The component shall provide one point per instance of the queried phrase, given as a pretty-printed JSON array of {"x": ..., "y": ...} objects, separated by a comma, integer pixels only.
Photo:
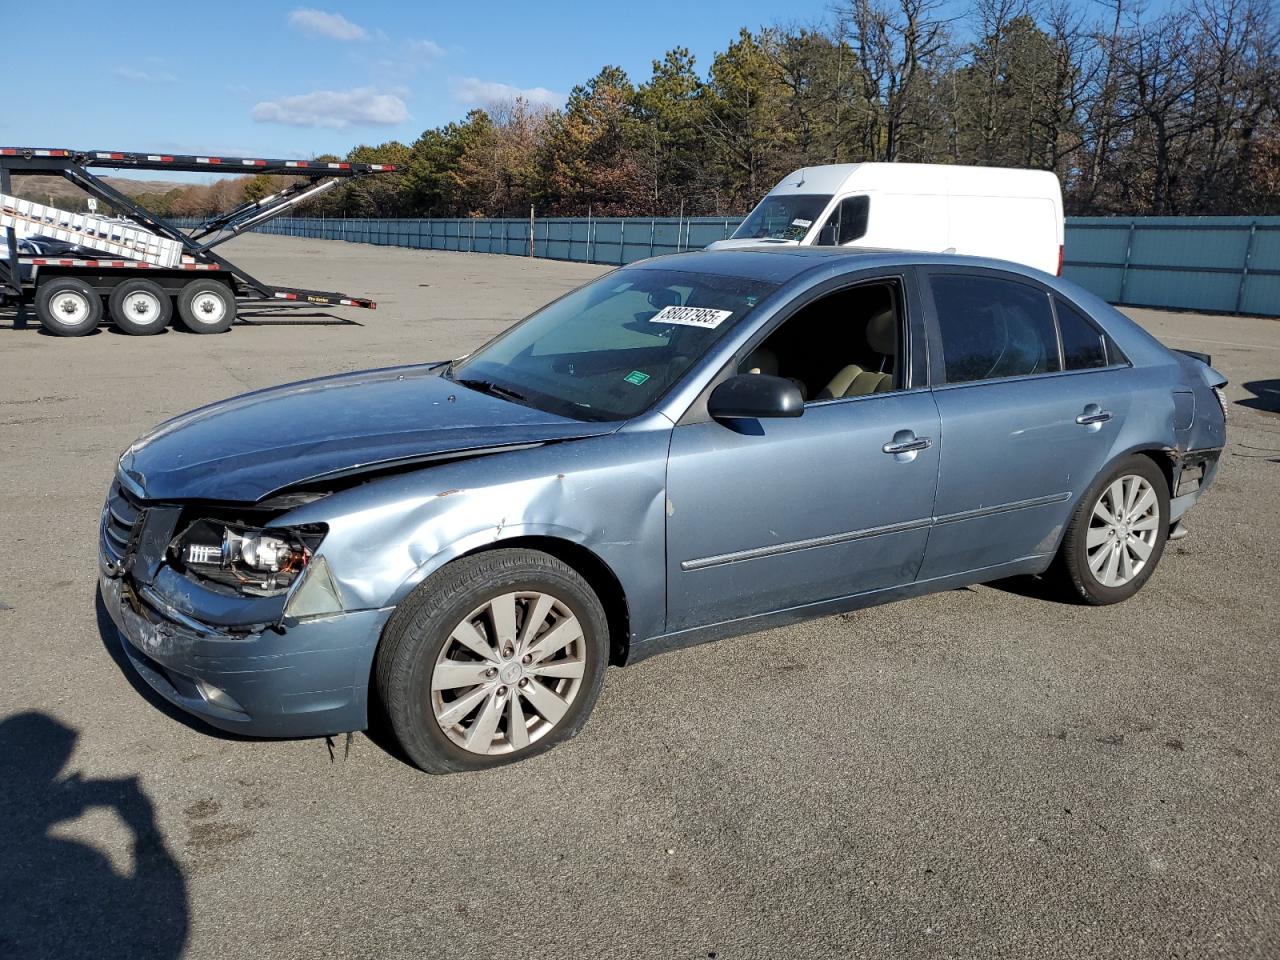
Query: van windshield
[{"x": 786, "y": 216}]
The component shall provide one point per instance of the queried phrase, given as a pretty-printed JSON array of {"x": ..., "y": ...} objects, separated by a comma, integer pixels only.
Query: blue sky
[
  {"x": 295, "y": 79},
  {"x": 289, "y": 79}
]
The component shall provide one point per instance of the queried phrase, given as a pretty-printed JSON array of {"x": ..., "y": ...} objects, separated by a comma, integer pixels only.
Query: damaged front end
[{"x": 232, "y": 618}]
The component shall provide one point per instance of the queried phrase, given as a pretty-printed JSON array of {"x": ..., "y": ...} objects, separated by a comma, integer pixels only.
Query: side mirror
[{"x": 755, "y": 396}]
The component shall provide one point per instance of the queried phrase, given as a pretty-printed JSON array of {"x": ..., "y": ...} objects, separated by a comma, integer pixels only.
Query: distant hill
[{"x": 63, "y": 194}]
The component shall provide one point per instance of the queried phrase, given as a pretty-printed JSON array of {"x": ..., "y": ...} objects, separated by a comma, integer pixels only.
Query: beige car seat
[
  {"x": 761, "y": 360},
  {"x": 855, "y": 381}
]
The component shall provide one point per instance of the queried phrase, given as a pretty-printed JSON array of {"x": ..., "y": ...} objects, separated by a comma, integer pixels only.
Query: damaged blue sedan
[{"x": 687, "y": 448}]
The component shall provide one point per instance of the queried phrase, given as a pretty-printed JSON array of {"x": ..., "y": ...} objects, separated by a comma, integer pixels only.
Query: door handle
[
  {"x": 1094, "y": 416},
  {"x": 907, "y": 446}
]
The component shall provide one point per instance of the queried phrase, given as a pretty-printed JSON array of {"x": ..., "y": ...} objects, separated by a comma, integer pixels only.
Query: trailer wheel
[
  {"x": 68, "y": 307},
  {"x": 140, "y": 307},
  {"x": 207, "y": 306}
]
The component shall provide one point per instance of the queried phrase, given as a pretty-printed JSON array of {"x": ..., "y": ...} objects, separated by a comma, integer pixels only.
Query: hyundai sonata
[{"x": 687, "y": 448}]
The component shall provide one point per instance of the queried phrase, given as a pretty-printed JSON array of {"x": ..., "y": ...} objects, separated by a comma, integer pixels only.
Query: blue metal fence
[
  {"x": 1208, "y": 264},
  {"x": 616, "y": 240}
]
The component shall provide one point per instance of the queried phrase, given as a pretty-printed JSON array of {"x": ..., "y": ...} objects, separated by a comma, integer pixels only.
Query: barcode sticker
[{"x": 692, "y": 316}]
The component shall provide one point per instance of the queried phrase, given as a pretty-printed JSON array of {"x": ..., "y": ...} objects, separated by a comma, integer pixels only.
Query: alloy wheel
[
  {"x": 508, "y": 672},
  {"x": 1122, "y": 530}
]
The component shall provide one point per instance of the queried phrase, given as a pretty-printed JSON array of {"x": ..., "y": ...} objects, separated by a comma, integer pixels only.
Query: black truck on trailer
[{"x": 67, "y": 264}]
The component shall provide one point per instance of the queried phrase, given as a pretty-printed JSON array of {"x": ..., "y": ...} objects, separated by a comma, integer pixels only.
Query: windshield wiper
[{"x": 493, "y": 389}]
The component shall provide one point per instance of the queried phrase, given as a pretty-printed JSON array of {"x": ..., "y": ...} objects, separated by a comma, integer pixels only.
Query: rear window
[
  {"x": 993, "y": 328},
  {"x": 1083, "y": 345}
]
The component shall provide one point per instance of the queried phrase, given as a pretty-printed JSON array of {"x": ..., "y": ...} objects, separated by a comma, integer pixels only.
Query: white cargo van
[{"x": 982, "y": 211}]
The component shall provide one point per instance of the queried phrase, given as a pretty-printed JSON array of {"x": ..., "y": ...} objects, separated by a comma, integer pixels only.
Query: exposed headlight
[{"x": 253, "y": 560}]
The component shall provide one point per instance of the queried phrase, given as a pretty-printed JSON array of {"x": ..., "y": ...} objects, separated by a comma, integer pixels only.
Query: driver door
[{"x": 770, "y": 515}]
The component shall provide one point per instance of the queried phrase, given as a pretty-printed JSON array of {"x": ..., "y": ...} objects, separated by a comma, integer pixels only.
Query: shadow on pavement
[
  {"x": 1035, "y": 588},
  {"x": 62, "y": 898},
  {"x": 1266, "y": 396}
]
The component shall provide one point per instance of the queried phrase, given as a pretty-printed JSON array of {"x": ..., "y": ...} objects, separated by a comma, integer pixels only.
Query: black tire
[
  {"x": 207, "y": 306},
  {"x": 68, "y": 307},
  {"x": 420, "y": 629},
  {"x": 140, "y": 308},
  {"x": 1072, "y": 564}
]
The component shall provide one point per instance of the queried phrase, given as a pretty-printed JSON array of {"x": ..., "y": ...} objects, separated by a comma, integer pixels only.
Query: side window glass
[
  {"x": 845, "y": 344},
  {"x": 993, "y": 328},
  {"x": 1083, "y": 345},
  {"x": 847, "y": 222}
]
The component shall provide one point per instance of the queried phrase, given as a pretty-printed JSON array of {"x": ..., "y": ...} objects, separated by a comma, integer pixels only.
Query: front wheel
[
  {"x": 497, "y": 657},
  {"x": 1117, "y": 534}
]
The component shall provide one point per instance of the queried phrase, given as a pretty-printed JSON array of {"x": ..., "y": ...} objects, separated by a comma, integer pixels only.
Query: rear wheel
[
  {"x": 1117, "y": 534},
  {"x": 497, "y": 657},
  {"x": 140, "y": 307},
  {"x": 207, "y": 306},
  {"x": 68, "y": 307}
]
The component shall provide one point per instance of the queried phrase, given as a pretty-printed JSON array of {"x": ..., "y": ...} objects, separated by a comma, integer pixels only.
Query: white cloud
[
  {"x": 426, "y": 49},
  {"x": 143, "y": 76},
  {"x": 336, "y": 109},
  {"x": 322, "y": 24},
  {"x": 474, "y": 92}
]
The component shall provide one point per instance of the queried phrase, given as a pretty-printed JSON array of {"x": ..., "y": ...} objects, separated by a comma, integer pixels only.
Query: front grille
[{"x": 119, "y": 523}]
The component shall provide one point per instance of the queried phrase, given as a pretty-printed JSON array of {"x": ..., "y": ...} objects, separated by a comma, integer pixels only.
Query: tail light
[{"x": 1062, "y": 257}]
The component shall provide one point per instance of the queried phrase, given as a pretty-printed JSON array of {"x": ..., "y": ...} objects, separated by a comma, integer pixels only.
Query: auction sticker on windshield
[{"x": 692, "y": 316}]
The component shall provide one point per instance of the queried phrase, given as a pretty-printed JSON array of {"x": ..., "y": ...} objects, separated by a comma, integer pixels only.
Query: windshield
[
  {"x": 610, "y": 349},
  {"x": 785, "y": 216}
]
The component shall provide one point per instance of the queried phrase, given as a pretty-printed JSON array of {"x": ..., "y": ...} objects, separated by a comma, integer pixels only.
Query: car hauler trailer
[{"x": 143, "y": 267}]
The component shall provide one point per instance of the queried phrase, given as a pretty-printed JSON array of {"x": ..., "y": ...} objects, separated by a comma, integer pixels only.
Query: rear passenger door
[{"x": 1025, "y": 431}]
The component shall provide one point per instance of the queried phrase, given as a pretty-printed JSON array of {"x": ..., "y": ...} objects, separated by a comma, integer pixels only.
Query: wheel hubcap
[
  {"x": 142, "y": 307},
  {"x": 208, "y": 307},
  {"x": 71, "y": 308},
  {"x": 508, "y": 673},
  {"x": 1122, "y": 530}
]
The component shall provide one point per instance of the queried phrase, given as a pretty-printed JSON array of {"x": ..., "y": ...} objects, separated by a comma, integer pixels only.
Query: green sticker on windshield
[{"x": 636, "y": 377}]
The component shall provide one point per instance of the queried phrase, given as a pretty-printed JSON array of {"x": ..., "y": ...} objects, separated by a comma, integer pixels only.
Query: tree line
[{"x": 1137, "y": 115}]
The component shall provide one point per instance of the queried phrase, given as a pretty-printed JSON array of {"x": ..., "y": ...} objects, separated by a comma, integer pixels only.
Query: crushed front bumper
[{"x": 303, "y": 679}]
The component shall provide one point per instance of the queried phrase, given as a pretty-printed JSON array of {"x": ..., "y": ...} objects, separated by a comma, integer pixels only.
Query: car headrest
[
  {"x": 881, "y": 333},
  {"x": 761, "y": 360}
]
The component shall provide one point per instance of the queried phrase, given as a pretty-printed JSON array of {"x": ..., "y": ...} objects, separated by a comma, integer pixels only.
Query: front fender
[
  {"x": 486, "y": 537},
  {"x": 606, "y": 495}
]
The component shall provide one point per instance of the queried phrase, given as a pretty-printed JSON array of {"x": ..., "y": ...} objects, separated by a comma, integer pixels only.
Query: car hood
[{"x": 248, "y": 447}]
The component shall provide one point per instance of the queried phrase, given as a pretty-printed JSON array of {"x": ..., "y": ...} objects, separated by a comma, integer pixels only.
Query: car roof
[{"x": 778, "y": 263}]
